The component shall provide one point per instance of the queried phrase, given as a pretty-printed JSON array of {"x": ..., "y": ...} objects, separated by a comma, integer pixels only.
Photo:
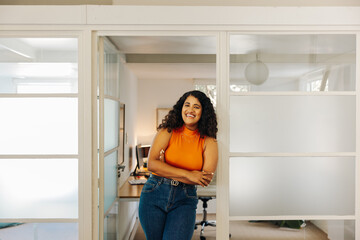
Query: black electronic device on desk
[{"x": 142, "y": 152}]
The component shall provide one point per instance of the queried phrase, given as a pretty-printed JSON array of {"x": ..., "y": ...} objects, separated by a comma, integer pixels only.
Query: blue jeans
[{"x": 167, "y": 209}]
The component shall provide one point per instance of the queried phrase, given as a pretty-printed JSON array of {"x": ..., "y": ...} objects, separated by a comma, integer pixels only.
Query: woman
[{"x": 184, "y": 154}]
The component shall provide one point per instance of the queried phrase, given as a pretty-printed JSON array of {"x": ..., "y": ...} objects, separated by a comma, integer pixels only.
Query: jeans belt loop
[{"x": 174, "y": 182}]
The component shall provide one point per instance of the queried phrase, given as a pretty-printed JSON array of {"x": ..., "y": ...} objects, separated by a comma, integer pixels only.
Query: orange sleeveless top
[{"x": 185, "y": 149}]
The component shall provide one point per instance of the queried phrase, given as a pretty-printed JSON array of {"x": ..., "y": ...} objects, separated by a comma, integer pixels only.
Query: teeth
[{"x": 189, "y": 115}]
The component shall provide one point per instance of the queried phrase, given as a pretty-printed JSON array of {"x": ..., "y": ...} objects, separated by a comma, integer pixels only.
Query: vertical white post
[
  {"x": 357, "y": 158},
  {"x": 94, "y": 138},
  {"x": 101, "y": 138},
  {"x": 222, "y": 106},
  {"x": 85, "y": 136}
]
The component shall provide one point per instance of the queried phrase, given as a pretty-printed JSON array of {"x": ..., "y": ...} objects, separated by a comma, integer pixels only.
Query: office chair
[{"x": 205, "y": 195}]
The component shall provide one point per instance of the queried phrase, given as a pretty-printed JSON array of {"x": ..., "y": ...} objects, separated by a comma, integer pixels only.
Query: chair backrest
[
  {"x": 210, "y": 190},
  {"x": 139, "y": 157}
]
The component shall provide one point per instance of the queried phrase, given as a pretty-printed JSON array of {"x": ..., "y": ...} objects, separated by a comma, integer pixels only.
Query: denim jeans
[{"x": 167, "y": 209}]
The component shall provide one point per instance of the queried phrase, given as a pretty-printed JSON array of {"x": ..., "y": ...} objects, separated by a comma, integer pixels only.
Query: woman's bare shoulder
[
  {"x": 163, "y": 133},
  {"x": 210, "y": 140}
]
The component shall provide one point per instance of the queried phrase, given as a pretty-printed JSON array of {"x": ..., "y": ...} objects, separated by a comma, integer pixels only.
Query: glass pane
[
  {"x": 292, "y": 123},
  {"x": 111, "y": 124},
  {"x": 312, "y": 62},
  {"x": 39, "y": 65},
  {"x": 111, "y": 75},
  {"x": 110, "y": 180},
  {"x": 279, "y": 229},
  {"x": 39, "y": 188},
  {"x": 40, "y": 231},
  {"x": 270, "y": 186},
  {"x": 39, "y": 126},
  {"x": 110, "y": 223}
]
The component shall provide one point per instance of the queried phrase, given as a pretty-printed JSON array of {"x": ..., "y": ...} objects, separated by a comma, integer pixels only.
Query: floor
[{"x": 244, "y": 230}]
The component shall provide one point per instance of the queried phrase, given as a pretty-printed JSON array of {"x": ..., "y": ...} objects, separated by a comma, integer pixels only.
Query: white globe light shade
[{"x": 256, "y": 72}]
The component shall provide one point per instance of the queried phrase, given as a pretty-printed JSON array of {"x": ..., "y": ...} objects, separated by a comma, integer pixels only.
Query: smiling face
[{"x": 191, "y": 112}]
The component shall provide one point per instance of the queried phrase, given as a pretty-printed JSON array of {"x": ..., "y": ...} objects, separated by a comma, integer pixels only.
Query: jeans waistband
[{"x": 169, "y": 181}]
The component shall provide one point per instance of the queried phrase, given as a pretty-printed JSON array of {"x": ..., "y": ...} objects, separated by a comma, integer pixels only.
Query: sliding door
[
  {"x": 111, "y": 114},
  {"x": 39, "y": 140},
  {"x": 292, "y": 131}
]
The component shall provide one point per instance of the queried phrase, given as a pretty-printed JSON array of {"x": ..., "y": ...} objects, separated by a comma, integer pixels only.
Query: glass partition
[
  {"x": 279, "y": 186},
  {"x": 293, "y": 229},
  {"x": 39, "y": 188},
  {"x": 39, "y": 65},
  {"x": 39, "y": 231},
  {"x": 111, "y": 124},
  {"x": 39, "y": 125},
  {"x": 110, "y": 180},
  {"x": 292, "y": 123},
  {"x": 306, "y": 62}
]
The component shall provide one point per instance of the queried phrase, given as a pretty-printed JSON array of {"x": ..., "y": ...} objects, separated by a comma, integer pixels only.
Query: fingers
[
  {"x": 208, "y": 173},
  {"x": 205, "y": 180},
  {"x": 161, "y": 157}
]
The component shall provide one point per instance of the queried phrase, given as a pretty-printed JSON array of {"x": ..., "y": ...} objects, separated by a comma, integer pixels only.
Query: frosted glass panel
[
  {"x": 39, "y": 126},
  {"x": 41, "y": 231},
  {"x": 39, "y": 65},
  {"x": 38, "y": 188},
  {"x": 111, "y": 75},
  {"x": 110, "y": 220},
  {"x": 110, "y": 179},
  {"x": 111, "y": 124},
  {"x": 306, "y": 62},
  {"x": 267, "y": 186},
  {"x": 292, "y": 123}
]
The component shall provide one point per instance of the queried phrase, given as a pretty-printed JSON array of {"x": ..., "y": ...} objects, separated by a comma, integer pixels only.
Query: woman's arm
[
  {"x": 210, "y": 155},
  {"x": 157, "y": 165}
]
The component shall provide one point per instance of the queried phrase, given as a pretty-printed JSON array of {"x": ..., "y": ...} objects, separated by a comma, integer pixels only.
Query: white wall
[
  {"x": 154, "y": 94},
  {"x": 128, "y": 96}
]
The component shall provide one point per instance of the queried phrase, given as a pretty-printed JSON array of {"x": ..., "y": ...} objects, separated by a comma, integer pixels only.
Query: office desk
[{"x": 128, "y": 192}]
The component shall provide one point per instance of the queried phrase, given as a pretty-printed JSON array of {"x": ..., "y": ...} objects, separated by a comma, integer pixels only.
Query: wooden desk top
[{"x": 128, "y": 191}]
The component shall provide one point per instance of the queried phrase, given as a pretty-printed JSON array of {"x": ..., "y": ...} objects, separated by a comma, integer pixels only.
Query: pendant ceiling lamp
[{"x": 256, "y": 72}]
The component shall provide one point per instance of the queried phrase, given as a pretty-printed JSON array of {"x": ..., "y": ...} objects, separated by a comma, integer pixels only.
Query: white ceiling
[{"x": 166, "y": 44}]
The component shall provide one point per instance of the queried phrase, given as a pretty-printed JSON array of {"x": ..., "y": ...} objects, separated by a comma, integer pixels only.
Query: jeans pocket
[
  {"x": 190, "y": 192},
  {"x": 150, "y": 185}
]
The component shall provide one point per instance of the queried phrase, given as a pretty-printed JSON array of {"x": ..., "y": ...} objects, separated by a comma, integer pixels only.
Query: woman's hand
[
  {"x": 162, "y": 155},
  {"x": 200, "y": 177}
]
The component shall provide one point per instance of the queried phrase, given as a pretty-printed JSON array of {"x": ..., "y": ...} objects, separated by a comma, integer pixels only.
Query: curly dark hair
[{"x": 207, "y": 125}]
